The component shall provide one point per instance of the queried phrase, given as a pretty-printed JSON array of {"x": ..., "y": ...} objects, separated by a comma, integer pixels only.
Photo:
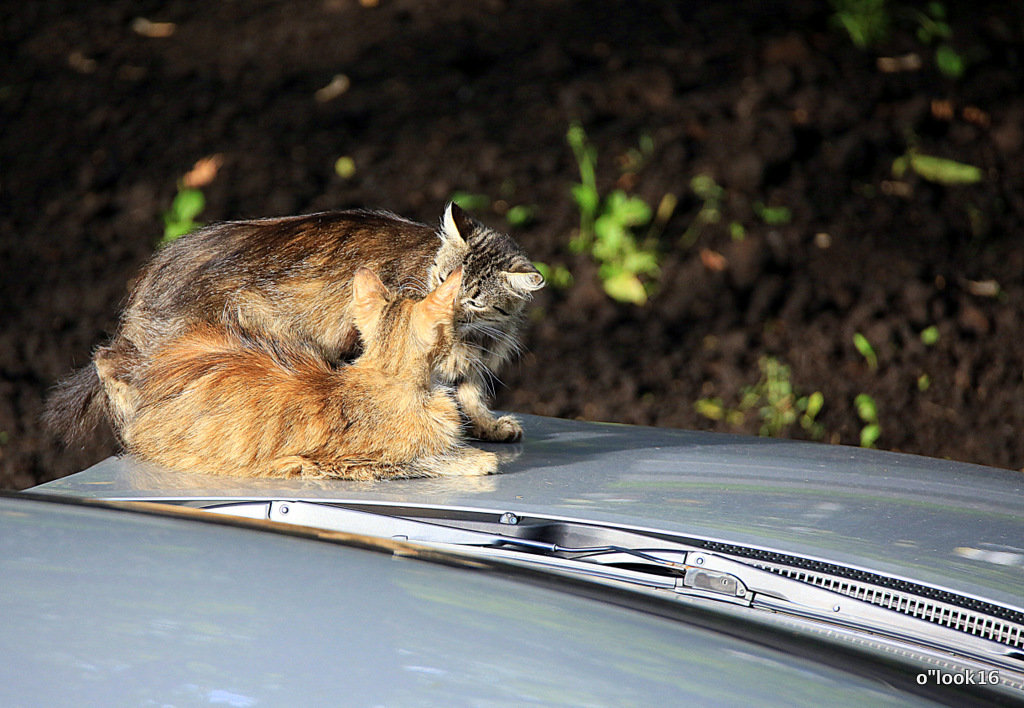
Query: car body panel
[
  {"x": 104, "y": 606},
  {"x": 948, "y": 524}
]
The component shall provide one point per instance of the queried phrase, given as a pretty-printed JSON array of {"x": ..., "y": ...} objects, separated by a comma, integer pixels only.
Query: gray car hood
[{"x": 951, "y": 525}]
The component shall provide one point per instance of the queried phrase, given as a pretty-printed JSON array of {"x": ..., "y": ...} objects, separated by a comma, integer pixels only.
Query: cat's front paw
[{"x": 503, "y": 429}]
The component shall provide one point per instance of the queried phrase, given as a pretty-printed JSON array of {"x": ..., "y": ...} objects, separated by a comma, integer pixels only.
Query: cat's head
[
  {"x": 401, "y": 333},
  {"x": 498, "y": 279}
]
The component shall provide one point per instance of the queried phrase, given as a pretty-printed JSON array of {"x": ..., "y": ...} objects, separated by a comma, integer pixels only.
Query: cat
[
  {"x": 289, "y": 279},
  {"x": 218, "y": 401}
]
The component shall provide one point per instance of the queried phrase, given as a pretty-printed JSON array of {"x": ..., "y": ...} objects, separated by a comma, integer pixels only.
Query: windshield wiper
[{"x": 681, "y": 570}]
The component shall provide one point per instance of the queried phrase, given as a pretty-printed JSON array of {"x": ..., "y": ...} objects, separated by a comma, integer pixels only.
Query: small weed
[
  {"x": 470, "y": 201},
  {"x": 932, "y": 28},
  {"x": 773, "y": 216},
  {"x": 924, "y": 382},
  {"x": 936, "y": 169},
  {"x": 949, "y": 61},
  {"x": 345, "y": 167},
  {"x": 180, "y": 218},
  {"x": 636, "y": 158},
  {"x": 868, "y": 413},
  {"x": 517, "y": 216},
  {"x": 557, "y": 275},
  {"x": 866, "y": 350},
  {"x": 520, "y": 215},
  {"x": 710, "y": 194},
  {"x": 930, "y": 336},
  {"x": 607, "y": 228},
  {"x": 775, "y": 400},
  {"x": 867, "y": 22},
  {"x": 587, "y": 198},
  {"x": 737, "y": 231},
  {"x": 714, "y": 409}
]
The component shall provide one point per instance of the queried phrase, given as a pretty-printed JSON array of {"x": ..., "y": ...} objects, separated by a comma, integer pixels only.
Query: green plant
[
  {"x": 930, "y": 336},
  {"x": 345, "y": 167},
  {"x": 932, "y": 28},
  {"x": 520, "y": 215},
  {"x": 773, "y": 216},
  {"x": 867, "y": 22},
  {"x": 606, "y": 229},
  {"x": 180, "y": 218},
  {"x": 470, "y": 201},
  {"x": 715, "y": 409},
  {"x": 585, "y": 193},
  {"x": 710, "y": 194},
  {"x": 866, "y": 350},
  {"x": 868, "y": 413},
  {"x": 949, "y": 61},
  {"x": 935, "y": 169},
  {"x": 775, "y": 400}
]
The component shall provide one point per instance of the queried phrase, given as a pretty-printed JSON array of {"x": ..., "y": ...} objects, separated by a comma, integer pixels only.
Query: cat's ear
[
  {"x": 441, "y": 302},
  {"x": 369, "y": 296},
  {"x": 438, "y": 308},
  {"x": 450, "y": 225},
  {"x": 524, "y": 279}
]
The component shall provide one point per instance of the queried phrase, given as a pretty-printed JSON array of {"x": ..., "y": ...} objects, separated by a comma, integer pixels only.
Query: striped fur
[
  {"x": 218, "y": 400},
  {"x": 289, "y": 280}
]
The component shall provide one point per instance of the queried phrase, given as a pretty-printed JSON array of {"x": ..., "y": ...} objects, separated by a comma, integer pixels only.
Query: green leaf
[
  {"x": 175, "y": 230},
  {"x": 645, "y": 262},
  {"x": 470, "y": 201},
  {"x": 520, "y": 215},
  {"x": 345, "y": 167},
  {"x": 869, "y": 434},
  {"x": 705, "y": 187},
  {"x": 814, "y": 403},
  {"x": 611, "y": 237},
  {"x": 866, "y": 350},
  {"x": 773, "y": 216},
  {"x": 710, "y": 408},
  {"x": 634, "y": 211},
  {"x": 866, "y": 409},
  {"x": 586, "y": 197},
  {"x": 625, "y": 287},
  {"x": 930, "y": 336},
  {"x": 936, "y": 169},
  {"x": 187, "y": 204},
  {"x": 949, "y": 61}
]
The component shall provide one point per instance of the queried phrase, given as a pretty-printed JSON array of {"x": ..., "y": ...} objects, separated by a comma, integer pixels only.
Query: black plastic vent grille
[{"x": 966, "y": 614}]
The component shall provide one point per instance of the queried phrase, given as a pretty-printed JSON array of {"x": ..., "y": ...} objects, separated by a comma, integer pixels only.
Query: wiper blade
[{"x": 685, "y": 572}]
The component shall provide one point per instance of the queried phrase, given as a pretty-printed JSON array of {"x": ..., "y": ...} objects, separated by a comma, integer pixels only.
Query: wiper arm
[
  {"x": 685, "y": 571},
  {"x": 336, "y": 518}
]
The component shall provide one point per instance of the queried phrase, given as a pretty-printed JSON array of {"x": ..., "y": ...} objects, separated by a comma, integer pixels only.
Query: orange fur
[{"x": 216, "y": 400}]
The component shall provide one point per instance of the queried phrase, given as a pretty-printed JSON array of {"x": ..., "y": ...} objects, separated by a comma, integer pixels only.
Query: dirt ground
[{"x": 107, "y": 105}]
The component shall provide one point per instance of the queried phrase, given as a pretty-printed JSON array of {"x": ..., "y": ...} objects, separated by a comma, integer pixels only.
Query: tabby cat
[
  {"x": 219, "y": 401},
  {"x": 289, "y": 279}
]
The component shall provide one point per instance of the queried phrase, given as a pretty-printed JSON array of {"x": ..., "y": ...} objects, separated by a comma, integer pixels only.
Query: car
[{"x": 604, "y": 565}]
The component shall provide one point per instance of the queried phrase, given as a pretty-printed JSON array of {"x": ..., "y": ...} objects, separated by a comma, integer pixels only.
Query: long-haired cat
[
  {"x": 217, "y": 401},
  {"x": 289, "y": 279}
]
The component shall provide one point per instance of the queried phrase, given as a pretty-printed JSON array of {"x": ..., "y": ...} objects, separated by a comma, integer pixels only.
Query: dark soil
[{"x": 100, "y": 121}]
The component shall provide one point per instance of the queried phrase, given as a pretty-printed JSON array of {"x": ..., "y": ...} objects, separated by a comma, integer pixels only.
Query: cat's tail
[{"x": 76, "y": 405}]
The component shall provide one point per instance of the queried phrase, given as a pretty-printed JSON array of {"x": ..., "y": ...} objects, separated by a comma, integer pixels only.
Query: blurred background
[{"x": 799, "y": 218}]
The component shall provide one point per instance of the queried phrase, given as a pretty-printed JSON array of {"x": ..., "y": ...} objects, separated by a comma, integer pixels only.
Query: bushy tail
[{"x": 76, "y": 405}]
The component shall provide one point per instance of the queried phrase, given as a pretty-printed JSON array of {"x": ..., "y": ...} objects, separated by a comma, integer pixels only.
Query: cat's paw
[
  {"x": 468, "y": 462},
  {"x": 503, "y": 429}
]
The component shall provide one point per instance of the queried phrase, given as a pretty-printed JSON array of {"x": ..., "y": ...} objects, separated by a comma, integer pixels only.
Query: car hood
[{"x": 951, "y": 525}]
